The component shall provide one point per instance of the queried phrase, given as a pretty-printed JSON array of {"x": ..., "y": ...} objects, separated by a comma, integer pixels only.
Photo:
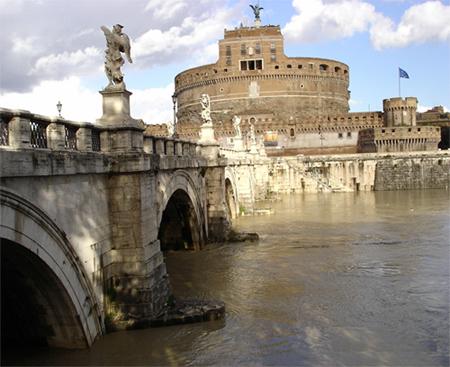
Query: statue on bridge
[
  {"x": 116, "y": 42},
  {"x": 252, "y": 134},
  {"x": 237, "y": 126}
]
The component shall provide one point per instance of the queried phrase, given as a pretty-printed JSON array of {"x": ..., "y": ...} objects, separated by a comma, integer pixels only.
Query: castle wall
[
  {"x": 338, "y": 173},
  {"x": 399, "y": 111},
  {"x": 399, "y": 139},
  {"x": 253, "y": 76}
]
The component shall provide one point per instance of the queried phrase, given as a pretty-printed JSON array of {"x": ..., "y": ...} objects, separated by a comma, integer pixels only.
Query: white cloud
[
  {"x": 56, "y": 65},
  {"x": 79, "y": 103},
  {"x": 166, "y": 9},
  {"x": 192, "y": 36},
  {"x": 318, "y": 20},
  {"x": 420, "y": 23},
  {"x": 153, "y": 105},
  {"x": 24, "y": 45},
  {"x": 422, "y": 108}
]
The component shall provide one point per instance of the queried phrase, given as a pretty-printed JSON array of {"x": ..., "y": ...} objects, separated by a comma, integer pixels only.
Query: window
[
  {"x": 340, "y": 136},
  {"x": 251, "y": 64},
  {"x": 273, "y": 58},
  {"x": 228, "y": 61},
  {"x": 300, "y": 66},
  {"x": 323, "y": 67},
  {"x": 272, "y": 48},
  {"x": 243, "y": 49},
  {"x": 277, "y": 67},
  {"x": 349, "y": 134},
  {"x": 258, "y": 49},
  {"x": 292, "y": 132},
  {"x": 337, "y": 69},
  {"x": 289, "y": 66},
  {"x": 228, "y": 51},
  {"x": 345, "y": 71}
]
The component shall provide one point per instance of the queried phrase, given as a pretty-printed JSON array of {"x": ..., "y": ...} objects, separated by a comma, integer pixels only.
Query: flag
[{"x": 402, "y": 73}]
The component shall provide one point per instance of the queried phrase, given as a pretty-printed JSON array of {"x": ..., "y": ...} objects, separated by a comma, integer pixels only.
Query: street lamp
[
  {"x": 174, "y": 101},
  {"x": 59, "y": 107}
]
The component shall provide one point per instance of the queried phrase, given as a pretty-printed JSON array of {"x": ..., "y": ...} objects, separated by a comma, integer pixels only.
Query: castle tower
[{"x": 399, "y": 111}]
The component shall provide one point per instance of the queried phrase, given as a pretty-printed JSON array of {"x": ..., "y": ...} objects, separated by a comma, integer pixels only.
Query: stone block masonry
[
  {"x": 261, "y": 178},
  {"x": 432, "y": 172}
]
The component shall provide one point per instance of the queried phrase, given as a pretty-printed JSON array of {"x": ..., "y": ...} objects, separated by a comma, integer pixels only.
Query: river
[{"x": 336, "y": 279}]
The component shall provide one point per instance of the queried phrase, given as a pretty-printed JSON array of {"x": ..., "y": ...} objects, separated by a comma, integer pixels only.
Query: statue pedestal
[
  {"x": 208, "y": 143},
  {"x": 207, "y": 134},
  {"x": 120, "y": 132},
  {"x": 238, "y": 144}
]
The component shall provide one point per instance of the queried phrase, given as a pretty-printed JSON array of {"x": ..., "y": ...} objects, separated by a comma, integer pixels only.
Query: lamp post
[
  {"x": 59, "y": 107},
  {"x": 174, "y": 101}
]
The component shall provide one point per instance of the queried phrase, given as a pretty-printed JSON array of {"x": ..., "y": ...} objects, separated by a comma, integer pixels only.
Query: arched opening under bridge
[
  {"x": 180, "y": 228},
  {"x": 35, "y": 306}
]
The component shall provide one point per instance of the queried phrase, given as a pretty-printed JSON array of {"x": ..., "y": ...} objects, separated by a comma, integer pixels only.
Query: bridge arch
[
  {"x": 181, "y": 220},
  {"x": 42, "y": 274},
  {"x": 231, "y": 197}
]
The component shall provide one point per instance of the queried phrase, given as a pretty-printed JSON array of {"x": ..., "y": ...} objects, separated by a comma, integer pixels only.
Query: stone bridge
[{"x": 86, "y": 215}]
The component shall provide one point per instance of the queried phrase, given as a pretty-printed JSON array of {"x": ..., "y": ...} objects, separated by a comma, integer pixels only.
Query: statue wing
[
  {"x": 107, "y": 32},
  {"x": 127, "y": 47},
  {"x": 253, "y": 7}
]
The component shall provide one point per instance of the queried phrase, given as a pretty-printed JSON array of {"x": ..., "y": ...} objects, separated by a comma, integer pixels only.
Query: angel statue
[
  {"x": 257, "y": 10},
  {"x": 116, "y": 42},
  {"x": 252, "y": 134},
  {"x": 206, "y": 109},
  {"x": 237, "y": 126}
]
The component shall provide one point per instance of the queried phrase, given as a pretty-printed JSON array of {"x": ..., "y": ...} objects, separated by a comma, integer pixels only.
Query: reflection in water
[{"x": 337, "y": 279}]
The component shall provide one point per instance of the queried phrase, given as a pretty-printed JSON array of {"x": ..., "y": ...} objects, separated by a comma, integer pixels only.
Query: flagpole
[{"x": 399, "y": 90}]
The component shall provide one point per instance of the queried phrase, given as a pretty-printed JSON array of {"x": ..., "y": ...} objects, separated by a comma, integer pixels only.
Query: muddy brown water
[{"x": 335, "y": 280}]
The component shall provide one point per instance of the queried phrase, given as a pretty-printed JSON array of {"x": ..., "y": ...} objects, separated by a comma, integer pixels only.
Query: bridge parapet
[{"x": 23, "y": 129}]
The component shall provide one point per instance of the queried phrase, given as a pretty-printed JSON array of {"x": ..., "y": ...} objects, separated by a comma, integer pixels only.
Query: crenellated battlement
[{"x": 400, "y": 111}]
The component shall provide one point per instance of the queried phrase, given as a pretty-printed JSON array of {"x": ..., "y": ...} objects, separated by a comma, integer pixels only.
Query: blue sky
[{"x": 58, "y": 53}]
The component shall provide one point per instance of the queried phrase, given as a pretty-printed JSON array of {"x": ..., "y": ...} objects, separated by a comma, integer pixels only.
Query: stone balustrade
[{"x": 21, "y": 129}]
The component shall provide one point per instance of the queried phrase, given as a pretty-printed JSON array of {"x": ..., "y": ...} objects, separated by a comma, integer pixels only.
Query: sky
[{"x": 53, "y": 50}]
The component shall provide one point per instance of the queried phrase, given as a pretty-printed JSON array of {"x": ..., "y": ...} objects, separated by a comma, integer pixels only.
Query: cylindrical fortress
[
  {"x": 254, "y": 77},
  {"x": 399, "y": 111}
]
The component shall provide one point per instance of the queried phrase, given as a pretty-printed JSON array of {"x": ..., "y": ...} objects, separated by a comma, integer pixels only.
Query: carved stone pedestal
[
  {"x": 207, "y": 134},
  {"x": 122, "y": 132},
  {"x": 238, "y": 144}
]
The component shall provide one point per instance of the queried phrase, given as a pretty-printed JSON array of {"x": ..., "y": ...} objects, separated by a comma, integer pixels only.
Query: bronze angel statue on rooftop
[
  {"x": 257, "y": 11},
  {"x": 116, "y": 42}
]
